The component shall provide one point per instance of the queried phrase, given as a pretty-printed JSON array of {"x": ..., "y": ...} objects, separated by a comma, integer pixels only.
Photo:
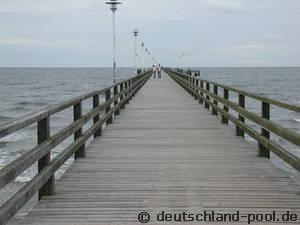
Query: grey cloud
[
  {"x": 227, "y": 5},
  {"x": 209, "y": 32}
]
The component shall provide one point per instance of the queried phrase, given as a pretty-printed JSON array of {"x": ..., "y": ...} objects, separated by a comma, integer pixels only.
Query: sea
[{"x": 26, "y": 90}]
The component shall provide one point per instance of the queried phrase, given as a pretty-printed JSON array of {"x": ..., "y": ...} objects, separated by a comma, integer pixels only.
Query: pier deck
[{"x": 165, "y": 152}]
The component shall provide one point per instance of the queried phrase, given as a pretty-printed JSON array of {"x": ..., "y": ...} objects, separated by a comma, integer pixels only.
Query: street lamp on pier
[
  {"x": 135, "y": 33},
  {"x": 143, "y": 45},
  {"x": 113, "y": 6}
]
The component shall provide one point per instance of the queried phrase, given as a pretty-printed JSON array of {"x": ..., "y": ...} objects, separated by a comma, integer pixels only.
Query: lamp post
[
  {"x": 135, "y": 33},
  {"x": 146, "y": 57},
  {"x": 142, "y": 56},
  {"x": 113, "y": 6}
]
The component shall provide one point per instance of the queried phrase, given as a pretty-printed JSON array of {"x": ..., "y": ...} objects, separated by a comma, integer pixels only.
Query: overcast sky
[{"x": 77, "y": 33}]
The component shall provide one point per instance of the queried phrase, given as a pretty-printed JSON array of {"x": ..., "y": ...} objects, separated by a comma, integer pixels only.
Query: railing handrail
[
  {"x": 205, "y": 95},
  {"x": 284, "y": 105},
  {"x": 16, "y": 124}
]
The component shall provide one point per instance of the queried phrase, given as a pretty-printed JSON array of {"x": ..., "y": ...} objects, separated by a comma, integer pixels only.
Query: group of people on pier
[{"x": 156, "y": 70}]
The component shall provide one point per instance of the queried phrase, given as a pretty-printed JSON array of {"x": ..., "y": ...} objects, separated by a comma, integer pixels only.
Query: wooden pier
[{"x": 162, "y": 152}]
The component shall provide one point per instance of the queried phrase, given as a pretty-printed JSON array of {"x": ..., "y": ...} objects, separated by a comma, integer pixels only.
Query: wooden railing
[
  {"x": 116, "y": 97},
  {"x": 208, "y": 94}
]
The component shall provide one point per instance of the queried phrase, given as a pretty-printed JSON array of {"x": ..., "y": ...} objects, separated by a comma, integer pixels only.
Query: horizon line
[{"x": 132, "y": 67}]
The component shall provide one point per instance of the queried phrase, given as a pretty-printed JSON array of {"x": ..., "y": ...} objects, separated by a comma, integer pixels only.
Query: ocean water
[{"x": 25, "y": 90}]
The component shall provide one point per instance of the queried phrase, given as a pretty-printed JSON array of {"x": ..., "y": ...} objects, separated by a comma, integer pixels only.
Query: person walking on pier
[
  {"x": 159, "y": 71},
  {"x": 154, "y": 71}
]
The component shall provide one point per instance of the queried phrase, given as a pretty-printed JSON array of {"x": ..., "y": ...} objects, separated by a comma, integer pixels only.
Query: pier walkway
[{"x": 165, "y": 152}]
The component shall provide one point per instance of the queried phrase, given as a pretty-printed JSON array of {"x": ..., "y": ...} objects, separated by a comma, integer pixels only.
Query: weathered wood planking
[
  {"x": 263, "y": 138},
  {"x": 165, "y": 152}
]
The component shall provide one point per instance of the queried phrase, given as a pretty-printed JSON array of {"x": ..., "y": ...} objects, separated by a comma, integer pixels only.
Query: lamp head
[
  {"x": 135, "y": 32},
  {"x": 113, "y": 4}
]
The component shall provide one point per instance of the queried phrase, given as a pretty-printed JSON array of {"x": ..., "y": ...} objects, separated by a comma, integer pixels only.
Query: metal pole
[
  {"x": 114, "y": 48},
  {"x": 140, "y": 61},
  {"x": 136, "y": 55},
  {"x": 113, "y": 4},
  {"x": 142, "y": 55}
]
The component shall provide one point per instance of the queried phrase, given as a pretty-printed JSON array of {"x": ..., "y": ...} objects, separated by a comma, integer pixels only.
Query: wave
[
  {"x": 296, "y": 120},
  {"x": 33, "y": 103},
  {"x": 15, "y": 137},
  {"x": 19, "y": 108},
  {"x": 23, "y": 103},
  {"x": 24, "y": 178},
  {"x": 5, "y": 118}
]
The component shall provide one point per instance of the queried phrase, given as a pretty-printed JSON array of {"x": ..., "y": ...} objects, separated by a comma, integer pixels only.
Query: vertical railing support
[
  {"x": 116, "y": 92},
  {"x": 265, "y": 113},
  {"x": 190, "y": 86},
  {"x": 122, "y": 96},
  {"x": 214, "y": 111},
  {"x": 108, "y": 108},
  {"x": 126, "y": 87},
  {"x": 130, "y": 92},
  {"x": 198, "y": 92},
  {"x": 43, "y": 130},
  {"x": 207, "y": 96},
  {"x": 77, "y": 109},
  {"x": 240, "y": 132},
  {"x": 201, "y": 93},
  {"x": 225, "y": 107},
  {"x": 195, "y": 89},
  {"x": 97, "y": 117}
]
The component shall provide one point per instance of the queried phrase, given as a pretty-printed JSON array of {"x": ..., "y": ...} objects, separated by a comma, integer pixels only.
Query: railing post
[
  {"x": 122, "y": 96},
  {"x": 201, "y": 93},
  {"x": 43, "y": 130},
  {"x": 198, "y": 93},
  {"x": 214, "y": 111},
  {"x": 134, "y": 81},
  {"x": 97, "y": 117},
  {"x": 226, "y": 109},
  {"x": 240, "y": 132},
  {"x": 207, "y": 96},
  {"x": 190, "y": 86},
  {"x": 126, "y": 87},
  {"x": 194, "y": 88},
  {"x": 130, "y": 86},
  {"x": 116, "y": 92},
  {"x": 108, "y": 108},
  {"x": 265, "y": 111},
  {"x": 77, "y": 115}
]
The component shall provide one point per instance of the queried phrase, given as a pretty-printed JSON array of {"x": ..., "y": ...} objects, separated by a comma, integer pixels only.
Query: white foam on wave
[
  {"x": 297, "y": 120},
  {"x": 15, "y": 137},
  {"x": 3, "y": 160},
  {"x": 23, "y": 179}
]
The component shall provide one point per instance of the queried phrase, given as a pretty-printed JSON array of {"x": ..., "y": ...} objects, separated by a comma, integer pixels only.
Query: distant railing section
[
  {"x": 116, "y": 97},
  {"x": 207, "y": 93}
]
